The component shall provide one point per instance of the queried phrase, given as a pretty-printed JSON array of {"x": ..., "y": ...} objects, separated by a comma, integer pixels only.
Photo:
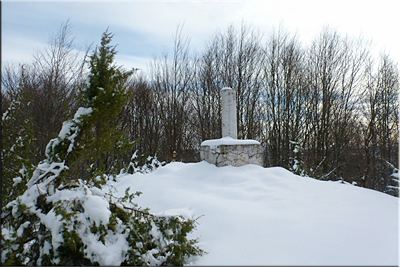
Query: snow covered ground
[{"x": 269, "y": 216}]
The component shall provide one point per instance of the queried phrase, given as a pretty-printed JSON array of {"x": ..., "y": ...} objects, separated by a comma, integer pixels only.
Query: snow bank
[{"x": 268, "y": 216}]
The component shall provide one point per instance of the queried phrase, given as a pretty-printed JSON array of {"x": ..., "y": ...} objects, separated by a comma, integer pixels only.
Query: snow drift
[{"x": 269, "y": 216}]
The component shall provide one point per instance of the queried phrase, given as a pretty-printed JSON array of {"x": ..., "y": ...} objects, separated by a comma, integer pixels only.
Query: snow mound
[{"x": 269, "y": 216}]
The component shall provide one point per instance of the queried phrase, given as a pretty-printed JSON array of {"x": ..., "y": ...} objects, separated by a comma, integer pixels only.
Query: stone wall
[{"x": 234, "y": 155}]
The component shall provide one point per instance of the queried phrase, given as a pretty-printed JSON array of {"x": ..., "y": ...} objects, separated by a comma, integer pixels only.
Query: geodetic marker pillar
[{"x": 228, "y": 112}]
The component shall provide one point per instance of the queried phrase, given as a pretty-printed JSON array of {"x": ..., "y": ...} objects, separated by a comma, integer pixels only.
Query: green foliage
[
  {"x": 142, "y": 163},
  {"x": 59, "y": 230},
  {"x": 17, "y": 136},
  {"x": 106, "y": 95},
  {"x": 393, "y": 185},
  {"x": 298, "y": 167},
  {"x": 107, "y": 82},
  {"x": 95, "y": 135},
  {"x": 160, "y": 240}
]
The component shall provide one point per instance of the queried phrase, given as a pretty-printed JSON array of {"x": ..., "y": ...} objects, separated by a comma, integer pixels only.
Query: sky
[{"x": 144, "y": 30}]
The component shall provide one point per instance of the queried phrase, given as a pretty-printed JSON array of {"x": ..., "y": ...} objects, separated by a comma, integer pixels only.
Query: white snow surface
[
  {"x": 269, "y": 216},
  {"x": 213, "y": 143}
]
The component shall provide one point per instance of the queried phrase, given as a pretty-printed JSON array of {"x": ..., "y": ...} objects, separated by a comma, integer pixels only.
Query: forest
[{"x": 327, "y": 110}]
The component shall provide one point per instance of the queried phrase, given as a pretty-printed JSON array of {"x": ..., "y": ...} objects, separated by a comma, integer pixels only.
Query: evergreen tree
[
  {"x": 106, "y": 93},
  {"x": 98, "y": 141},
  {"x": 393, "y": 185},
  {"x": 298, "y": 167},
  {"x": 17, "y": 136},
  {"x": 65, "y": 218}
]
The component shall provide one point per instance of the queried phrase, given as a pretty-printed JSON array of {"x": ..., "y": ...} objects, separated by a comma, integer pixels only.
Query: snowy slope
[{"x": 268, "y": 216}]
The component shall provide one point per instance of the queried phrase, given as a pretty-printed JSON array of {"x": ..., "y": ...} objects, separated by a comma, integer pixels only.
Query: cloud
[
  {"x": 144, "y": 29},
  {"x": 132, "y": 62},
  {"x": 18, "y": 49}
]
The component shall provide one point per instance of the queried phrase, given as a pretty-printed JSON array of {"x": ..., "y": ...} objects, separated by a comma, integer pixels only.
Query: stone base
[{"x": 234, "y": 155}]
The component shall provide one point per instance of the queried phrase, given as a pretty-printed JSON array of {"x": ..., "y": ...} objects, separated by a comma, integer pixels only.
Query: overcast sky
[{"x": 144, "y": 29}]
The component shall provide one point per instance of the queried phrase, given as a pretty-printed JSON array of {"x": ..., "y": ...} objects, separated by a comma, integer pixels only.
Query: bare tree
[
  {"x": 172, "y": 81},
  {"x": 206, "y": 93},
  {"x": 231, "y": 59},
  {"x": 381, "y": 132},
  {"x": 334, "y": 68},
  {"x": 60, "y": 72},
  {"x": 285, "y": 97},
  {"x": 141, "y": 118}
]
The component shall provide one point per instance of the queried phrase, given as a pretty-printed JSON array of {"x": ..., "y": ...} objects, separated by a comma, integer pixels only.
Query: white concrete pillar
[{"x": 228, "y": 112}]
